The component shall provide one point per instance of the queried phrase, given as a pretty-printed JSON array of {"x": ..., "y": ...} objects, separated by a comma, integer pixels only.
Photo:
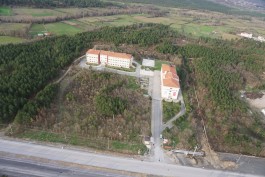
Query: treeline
[
  {"x": 26, "y": 69},
  {"x": 55, "y": 3},
  {"x": 154, "y": 12},
  {"x": 42, "y": 99}
]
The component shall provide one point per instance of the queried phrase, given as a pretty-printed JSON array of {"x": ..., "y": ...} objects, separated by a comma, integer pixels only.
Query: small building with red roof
[{"x": 169, "y": 82}]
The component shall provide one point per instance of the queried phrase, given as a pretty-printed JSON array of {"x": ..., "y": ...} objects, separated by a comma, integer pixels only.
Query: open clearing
[
  {"x": 55, "y": 28},
  {"x": 9, "y": 39},
  {"x": 100, "y": 110},
  {"x": 6, "y": 11}
]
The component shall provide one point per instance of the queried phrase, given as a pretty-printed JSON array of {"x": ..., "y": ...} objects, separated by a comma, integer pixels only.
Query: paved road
[
  {"x": 110, "y": 162},
  {"x": 246, "y": 164},
  {"x": 30, "y": 168},
  {"x": 156, "y": 151},
  {"x": 169, "y": 124}
]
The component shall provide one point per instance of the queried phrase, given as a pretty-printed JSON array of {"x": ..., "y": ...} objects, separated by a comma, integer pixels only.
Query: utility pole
[{"x": 194, "y": 150}]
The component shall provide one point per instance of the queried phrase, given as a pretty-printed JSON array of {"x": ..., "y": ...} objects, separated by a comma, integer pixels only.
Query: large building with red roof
[
  {"x": 109, "y": 58},
  {"x": 169, "y": 82}
]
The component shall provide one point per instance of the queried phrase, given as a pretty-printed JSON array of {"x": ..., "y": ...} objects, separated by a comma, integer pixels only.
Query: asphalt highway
[
  {"x": 103, "y": 161},
  {"x": 13, "y": 167}
]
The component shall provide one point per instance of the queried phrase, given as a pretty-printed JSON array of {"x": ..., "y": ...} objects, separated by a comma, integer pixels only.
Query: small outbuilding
[{"x": 148, "y": 63}]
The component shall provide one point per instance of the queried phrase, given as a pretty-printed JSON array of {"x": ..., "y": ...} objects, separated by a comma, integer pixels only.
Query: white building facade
[
  {"x": 169, "y": 83},
  {"x": 109, "y": 58},
  {"x": 92, "y": 56}
]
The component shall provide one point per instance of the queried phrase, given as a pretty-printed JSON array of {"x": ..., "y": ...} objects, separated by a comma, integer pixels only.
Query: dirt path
[{"x": 65, "y": 82}]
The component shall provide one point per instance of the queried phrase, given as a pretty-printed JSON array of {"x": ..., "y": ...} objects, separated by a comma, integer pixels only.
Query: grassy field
[
  {"x": 190, "y": 22},
  {"x": 185, "y": 24},
  {"x": 55, "y": 28},
  {"x": 102, "y": 144},
  {"x": 12, "y": 26},
  {"x": 34, "y": 12},
  {"x": 5, "y": 11},
  {"x": 9, "y": 39}
]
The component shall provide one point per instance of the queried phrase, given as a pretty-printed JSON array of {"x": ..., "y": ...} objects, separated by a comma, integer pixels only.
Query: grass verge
[
  {"x": 158, "y": 64},
  {"x": 102, "y": 144}
]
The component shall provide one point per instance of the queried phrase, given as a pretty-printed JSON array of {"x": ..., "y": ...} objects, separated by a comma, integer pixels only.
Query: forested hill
[
  {"x": 55, "y": 3},
  {"x": 25, "y": 69}
]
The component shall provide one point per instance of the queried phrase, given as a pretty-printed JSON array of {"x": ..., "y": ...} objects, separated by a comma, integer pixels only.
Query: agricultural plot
[
  {"x": 12, "y": 26},
  {"x": 5, "y": 11},
  {"x": 55, "y": 28},
  {"x": 36, "y": 12},
  {"x": 6, "y": 28},
  {"x": 9, "y": 39}
]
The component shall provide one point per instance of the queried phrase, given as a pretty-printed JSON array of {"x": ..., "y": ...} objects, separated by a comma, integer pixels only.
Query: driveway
[{"x": 156, "y": 151}]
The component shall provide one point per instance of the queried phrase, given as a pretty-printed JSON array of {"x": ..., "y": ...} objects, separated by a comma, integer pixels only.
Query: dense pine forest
[
  {"x": 55, "y": 3},
  {"x": 219, "y": 70}
]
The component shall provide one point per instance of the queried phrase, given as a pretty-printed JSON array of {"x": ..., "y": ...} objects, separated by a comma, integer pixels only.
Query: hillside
[
  {"x": 213, "y": 72},
  {"x": 96, "y": 107}
]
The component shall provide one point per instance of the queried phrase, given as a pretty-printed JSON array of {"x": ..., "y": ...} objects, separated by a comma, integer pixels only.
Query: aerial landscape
[{"x": 132, "y": 88}]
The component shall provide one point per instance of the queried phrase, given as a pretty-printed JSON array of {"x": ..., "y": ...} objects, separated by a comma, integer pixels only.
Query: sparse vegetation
[
  {"x": 170, "y": 109},
  {"x": 182, "y": 135},
  {"x": 98, "y": 143},
  {"x": 103, "y": 105}
]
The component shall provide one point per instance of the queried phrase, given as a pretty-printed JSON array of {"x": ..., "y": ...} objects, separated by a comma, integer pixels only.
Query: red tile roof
[
  {"x": 92, "y": 51},
  {"x": 110, "y": 54},
  {"x": 120, "y": 55},
  {"x": 103, "y": 52},
  {"x": 169, "y": 76}
]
